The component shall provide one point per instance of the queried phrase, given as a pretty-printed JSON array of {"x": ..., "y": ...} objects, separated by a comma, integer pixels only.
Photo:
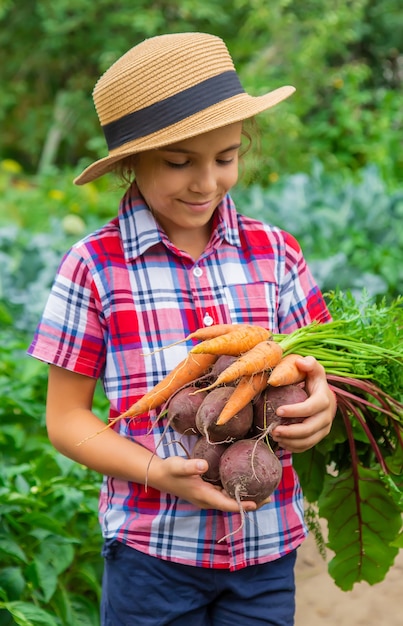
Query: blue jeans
[{"x": 142, "y": 590}]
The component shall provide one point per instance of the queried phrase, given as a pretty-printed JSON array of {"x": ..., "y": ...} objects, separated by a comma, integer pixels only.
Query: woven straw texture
[{"x": 159, "y": 68}]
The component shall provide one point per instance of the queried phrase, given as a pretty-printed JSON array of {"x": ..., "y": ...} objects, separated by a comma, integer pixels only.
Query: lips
[{"x": 199, "y": 206}]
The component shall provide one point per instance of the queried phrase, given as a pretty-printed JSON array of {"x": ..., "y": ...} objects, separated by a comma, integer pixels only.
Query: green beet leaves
[
  {"x": 354, "y": 477},
  {"x": 363, "y": 521}
]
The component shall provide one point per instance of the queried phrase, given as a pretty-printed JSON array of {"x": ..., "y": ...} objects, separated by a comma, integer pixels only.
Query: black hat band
[{"x": 172, "y": 109}]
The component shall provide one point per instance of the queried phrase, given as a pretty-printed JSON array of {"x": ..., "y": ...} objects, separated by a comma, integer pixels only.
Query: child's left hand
[{"x": 318, "y": 410}]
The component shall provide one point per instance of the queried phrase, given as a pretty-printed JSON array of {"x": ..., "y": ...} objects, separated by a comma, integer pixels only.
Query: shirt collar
[{"x": 140, "y": 231}]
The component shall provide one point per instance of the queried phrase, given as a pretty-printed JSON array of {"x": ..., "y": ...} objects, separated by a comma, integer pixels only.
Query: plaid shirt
[{"x": 126, "y": 290}]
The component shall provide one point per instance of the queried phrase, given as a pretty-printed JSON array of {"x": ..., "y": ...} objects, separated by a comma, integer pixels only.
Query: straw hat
[{"x": 167, "y": 89}]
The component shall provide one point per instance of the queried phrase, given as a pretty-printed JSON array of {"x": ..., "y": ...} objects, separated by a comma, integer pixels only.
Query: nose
[{"x": 204, "y": 180}]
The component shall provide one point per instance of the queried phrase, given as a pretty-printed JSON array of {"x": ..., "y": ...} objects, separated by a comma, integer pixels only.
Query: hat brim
[{"x": 235, "y": 109}]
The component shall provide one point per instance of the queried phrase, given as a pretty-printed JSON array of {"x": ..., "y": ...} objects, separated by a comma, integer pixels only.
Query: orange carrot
[
  {"x": 234, "y": 343},
  {"x": 211, "y": 332},
  {"x": 247, "y": 388},
  {"x": 188, "y": 370},
  {"x": 262, "y": 357},
  {"x": 202, "y": 334},
  {"x": 286, "y": 372}
]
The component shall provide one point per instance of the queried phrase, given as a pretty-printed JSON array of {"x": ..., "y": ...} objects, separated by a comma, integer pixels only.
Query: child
[{"x": 177, "y": 256}]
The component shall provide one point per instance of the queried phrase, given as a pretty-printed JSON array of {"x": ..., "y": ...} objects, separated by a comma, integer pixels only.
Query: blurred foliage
[
  {"x": 344, "y": 58},
  {"x": 50, "y": 565},
  {"x": 350, "y": 230}
]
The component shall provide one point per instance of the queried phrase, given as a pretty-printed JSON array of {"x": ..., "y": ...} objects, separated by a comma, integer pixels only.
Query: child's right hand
[
  {"x": 182, "y": 477},
  {"x": 70, "y": 420}
]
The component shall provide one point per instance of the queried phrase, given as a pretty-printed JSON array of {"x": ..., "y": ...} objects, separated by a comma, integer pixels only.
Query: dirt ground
[{"x": 321, "y": 603}]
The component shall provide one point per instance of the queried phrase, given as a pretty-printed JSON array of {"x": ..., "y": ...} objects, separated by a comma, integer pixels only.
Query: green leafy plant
[
  {"x": 349, "y": 229},
  {"x": 49, "y": 535},
  {"x": 353, "y": 477}
]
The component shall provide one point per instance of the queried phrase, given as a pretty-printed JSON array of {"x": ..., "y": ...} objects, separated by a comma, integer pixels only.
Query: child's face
[{"x": 184, "y": 182}]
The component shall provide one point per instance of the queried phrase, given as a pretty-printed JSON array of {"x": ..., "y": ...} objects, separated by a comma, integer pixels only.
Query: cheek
[{"x": 232, "y": 177}]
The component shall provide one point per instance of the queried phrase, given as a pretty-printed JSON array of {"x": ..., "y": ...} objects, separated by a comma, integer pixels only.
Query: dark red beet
[
  {"x": 249, "y": 470},
  {"x": 209, "y": 411},
  {"x": 211, "y": 452},
  {"x": 182, "y": 409},
  {"x": 265, "y": 407},
  {"x": 220, "y": 365}
]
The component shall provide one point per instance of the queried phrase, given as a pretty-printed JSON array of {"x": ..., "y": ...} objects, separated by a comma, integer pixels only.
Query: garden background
[{"x": 327, "y": 165}]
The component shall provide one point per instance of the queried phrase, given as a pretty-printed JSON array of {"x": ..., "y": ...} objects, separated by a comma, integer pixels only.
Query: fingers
[
  {"x": 318, "y": 411},
  {"x": 309, "y": 364},
  {"x": 183, "y": 478},
  {"x": 224, "y": 502},
  {"x": 181, "y": 467},
  {"x": 266, "y": 501},
  {"x": 301, "y": 437}
]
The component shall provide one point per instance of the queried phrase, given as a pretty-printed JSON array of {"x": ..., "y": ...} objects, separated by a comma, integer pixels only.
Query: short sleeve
[{"x": 71, "y": 332}]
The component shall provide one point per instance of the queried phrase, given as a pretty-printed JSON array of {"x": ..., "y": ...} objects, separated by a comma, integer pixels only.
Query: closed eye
[
  {"x": 225, "y": 161},
  {"x": 183, "y": 165},
  {"x": 176, "y": 165}
]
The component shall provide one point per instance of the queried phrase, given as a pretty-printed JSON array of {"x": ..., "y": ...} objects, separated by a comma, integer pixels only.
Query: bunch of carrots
[
  {"x": 353, "y": 362},
  {"x": 260, "y": 352}
]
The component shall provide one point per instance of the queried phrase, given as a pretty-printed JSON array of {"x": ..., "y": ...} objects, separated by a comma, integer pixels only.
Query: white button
[
  {"x": 208, "y": 320},
  {"x": 198, "y": 272}
]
